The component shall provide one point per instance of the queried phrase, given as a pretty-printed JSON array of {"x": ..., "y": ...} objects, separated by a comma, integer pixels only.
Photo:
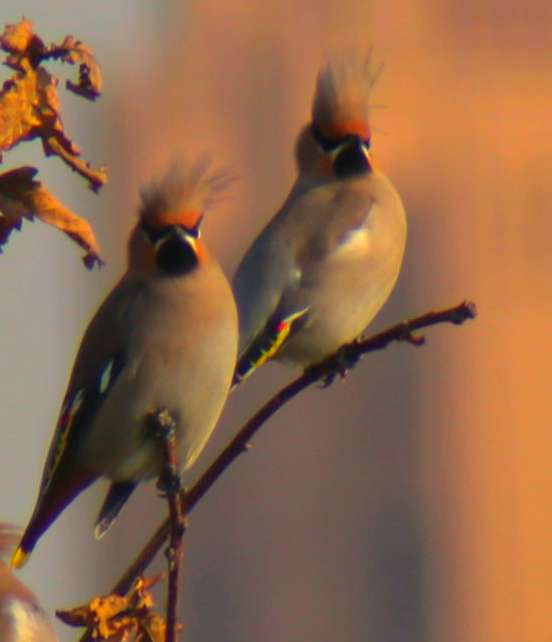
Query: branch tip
[{"x": 465, "y": 311}]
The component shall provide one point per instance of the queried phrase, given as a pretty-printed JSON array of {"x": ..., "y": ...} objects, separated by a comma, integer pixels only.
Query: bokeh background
[{"x": 411, "y": 503}]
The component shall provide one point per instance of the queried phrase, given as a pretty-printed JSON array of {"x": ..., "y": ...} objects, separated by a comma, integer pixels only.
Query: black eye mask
[
  {"x": 155, "y": 235},
  {"x": 330, "y": 144}
]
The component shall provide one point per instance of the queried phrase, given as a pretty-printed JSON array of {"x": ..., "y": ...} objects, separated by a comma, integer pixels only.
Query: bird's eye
[
  {"x": 326, "y": 144},
  {"x": 154, "y": 235}
]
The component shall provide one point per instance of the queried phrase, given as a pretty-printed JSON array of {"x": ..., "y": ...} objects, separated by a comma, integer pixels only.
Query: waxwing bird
[
  {"x": 22, "y": 619},
  {"x": 164, "y": 339},
  {"x": 326, "y": 263}
]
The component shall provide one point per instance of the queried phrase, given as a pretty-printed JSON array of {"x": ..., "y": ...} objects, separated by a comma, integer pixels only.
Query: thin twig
[
  {"x": 169, "y": 484},
  {"x": 321, "y": 372}
]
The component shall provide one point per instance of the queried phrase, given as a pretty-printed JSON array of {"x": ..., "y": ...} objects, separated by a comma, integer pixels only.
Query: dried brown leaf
[
  {"x": 20, "y": 41},
  {"x": 105, "y": 615},
  {"x": 79, "y": 616},
  {"x": 153, "y": 629},
  {"x": 120, "y": 619},
  {"x": 29, "y": 103},
  {"x": 90, "y": 78},
  {"x": 17, "y": 38},
  {"x": 23, "y": 197},
  {"x": 19, "y": 116},
  {"x": 57, "y": 144}
]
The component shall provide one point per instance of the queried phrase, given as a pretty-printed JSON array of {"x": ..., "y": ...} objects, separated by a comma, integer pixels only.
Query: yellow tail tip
[{"x": 19, "y": 558}]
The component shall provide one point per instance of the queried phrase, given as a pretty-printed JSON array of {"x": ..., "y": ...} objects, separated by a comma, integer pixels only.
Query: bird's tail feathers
[
  {"x": 115, "y": 499},
  {"x": 58, "y": 495}
]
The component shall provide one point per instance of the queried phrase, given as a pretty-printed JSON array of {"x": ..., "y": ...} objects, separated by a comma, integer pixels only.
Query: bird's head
[
  {"x": 167, "y": 237},
  {"x": 337, "y": 142}
]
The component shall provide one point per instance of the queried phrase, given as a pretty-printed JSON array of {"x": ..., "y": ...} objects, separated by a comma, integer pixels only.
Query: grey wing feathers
[
  {"x": 263, "y": 275},
  {"x": 100, "y": 358},
  {"x": 285, "y": 260},
  {"x": 106, "y": 334}
]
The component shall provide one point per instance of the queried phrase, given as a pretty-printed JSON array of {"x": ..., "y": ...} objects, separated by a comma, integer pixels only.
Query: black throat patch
[{"x": 176, "y": 256}]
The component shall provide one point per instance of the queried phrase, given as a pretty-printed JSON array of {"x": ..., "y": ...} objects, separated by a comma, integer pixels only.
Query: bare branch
[{"x": 327, "y": 369}]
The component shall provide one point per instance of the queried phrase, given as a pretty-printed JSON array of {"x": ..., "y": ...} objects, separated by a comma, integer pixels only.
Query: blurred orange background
[{"x": 412, "y": 502}]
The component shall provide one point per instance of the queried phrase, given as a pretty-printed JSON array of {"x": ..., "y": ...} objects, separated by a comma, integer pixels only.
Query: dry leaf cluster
[
  {"x": 120, "y": 619},
  {"x": 30, "y": 109}
]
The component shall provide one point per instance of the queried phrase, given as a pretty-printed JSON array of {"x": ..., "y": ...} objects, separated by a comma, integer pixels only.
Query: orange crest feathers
[
  {"x": 182, "y": 195},
  {"x": 343, "y": 85}
]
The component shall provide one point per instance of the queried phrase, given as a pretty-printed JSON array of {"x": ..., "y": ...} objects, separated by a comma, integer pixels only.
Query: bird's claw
[
  {"x": 168, "y": 483},
  {"x": 345, "y": 360}
]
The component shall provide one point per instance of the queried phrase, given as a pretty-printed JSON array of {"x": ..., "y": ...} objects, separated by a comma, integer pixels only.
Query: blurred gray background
[{"x": 410, "y": 503}]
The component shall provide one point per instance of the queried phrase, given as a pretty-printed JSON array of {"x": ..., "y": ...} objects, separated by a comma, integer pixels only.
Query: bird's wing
[
  {"x": 283, "y": 278},
  {"x": 100, "y": 359},
  {"x": 268, "y": 342}
]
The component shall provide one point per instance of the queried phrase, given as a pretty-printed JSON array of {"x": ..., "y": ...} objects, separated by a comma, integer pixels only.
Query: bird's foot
[
  {"x": 345, "y": 359},
  {"x": 169, "y": 483},
  {"x": 163, "y": 426}
]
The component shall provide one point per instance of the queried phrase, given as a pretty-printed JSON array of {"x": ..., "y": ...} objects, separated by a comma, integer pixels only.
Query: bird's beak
[
  {"x": 350, "y": 156},
  {"x": 175, "y": 231}
]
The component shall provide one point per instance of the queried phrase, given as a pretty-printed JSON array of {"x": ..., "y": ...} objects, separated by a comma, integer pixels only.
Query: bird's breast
[{"x": 184, "y": 367}]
